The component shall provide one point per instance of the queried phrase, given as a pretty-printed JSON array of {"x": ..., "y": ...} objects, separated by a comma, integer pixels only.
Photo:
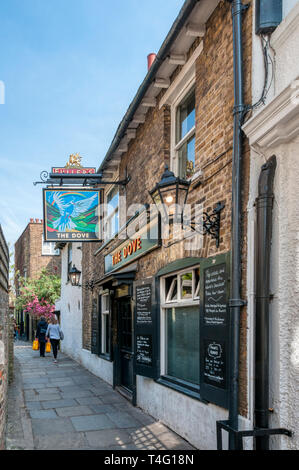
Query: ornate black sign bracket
[
  {"x": 54, "y": 179},
  {"x": 209, "y": 224}
]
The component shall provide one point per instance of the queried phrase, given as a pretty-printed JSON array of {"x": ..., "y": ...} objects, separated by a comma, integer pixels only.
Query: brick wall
[
  {"x": 148, "y": 153},
  {"x": 28, "y": 252},
  {"x": 29, "y": 257},
  {"x": 4, "y": 335}
]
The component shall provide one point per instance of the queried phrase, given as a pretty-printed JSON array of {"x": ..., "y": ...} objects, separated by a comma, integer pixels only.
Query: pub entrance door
[{"x": 126, "y": 344}]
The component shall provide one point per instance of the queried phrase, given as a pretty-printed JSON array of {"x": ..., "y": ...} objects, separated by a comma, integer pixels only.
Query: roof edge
[{"x": 161, "y": 55}]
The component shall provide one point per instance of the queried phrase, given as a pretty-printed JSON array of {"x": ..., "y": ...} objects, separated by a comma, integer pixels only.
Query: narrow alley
[{"x": 64, "y": 407}]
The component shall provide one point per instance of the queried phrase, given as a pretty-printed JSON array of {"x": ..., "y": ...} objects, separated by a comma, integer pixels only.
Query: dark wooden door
[{"x": 126, "y": 343}]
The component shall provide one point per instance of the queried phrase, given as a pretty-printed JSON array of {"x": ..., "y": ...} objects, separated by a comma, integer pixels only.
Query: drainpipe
[
  {"x": 235, "y": 302},
  {"x": 264, "y": 205}
]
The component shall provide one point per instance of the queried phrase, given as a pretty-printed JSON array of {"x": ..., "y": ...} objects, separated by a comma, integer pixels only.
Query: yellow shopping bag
[
  {"x": 48, "y": 347},
  {"x": 35, "y": 345}
]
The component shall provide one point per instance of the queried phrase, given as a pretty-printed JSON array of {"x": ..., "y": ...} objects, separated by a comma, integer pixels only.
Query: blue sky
[{"x": 70, "y": 69}]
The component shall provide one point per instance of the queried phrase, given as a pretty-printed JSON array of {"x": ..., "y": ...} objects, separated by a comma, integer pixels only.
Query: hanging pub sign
[
  {"x": 72, "y": 214},
  {"x": 74, "y": 167},
  {"x": 214, "y": 328},
  {"x": 73, "y": 171}
]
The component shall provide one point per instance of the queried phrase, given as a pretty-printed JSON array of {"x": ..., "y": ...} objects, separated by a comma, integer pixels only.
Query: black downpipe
[
  {"x": 235, "y": 302},
  {"x": 264, "y": 205}
]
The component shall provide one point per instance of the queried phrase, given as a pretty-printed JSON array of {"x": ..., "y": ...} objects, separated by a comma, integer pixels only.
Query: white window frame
[
  {"x": 105, "y": 312},
  {"x": 174, "y": 146},
  {"x": 167, "y": 304},
  {"x": 51, "y": 246},
  {"x": 174, "y": 95},
  {"x": 108, "y": 234}
]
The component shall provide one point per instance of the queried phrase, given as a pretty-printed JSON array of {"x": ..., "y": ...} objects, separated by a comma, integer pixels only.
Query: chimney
[
  {"x": 150, "y": 60},
  {"x": 37, "y": 221},
  {"x": 31, "y": 221}
]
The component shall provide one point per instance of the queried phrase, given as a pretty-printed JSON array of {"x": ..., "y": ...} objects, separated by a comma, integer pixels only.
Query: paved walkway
[{"x": 63, "y": 406}]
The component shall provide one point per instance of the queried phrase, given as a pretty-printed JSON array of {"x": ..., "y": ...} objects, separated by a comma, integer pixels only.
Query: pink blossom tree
[{"x": 38, "y": 295}]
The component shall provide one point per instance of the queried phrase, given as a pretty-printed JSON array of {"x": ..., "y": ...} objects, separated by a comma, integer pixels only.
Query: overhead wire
[{"x": 265, "y": 43}]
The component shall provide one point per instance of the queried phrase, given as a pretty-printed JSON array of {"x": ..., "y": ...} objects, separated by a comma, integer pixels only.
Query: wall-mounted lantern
[
  {"x": 74, "y": 276},
  {"x": 170, "y": 192},
  {"x": 170, "y": 196}
]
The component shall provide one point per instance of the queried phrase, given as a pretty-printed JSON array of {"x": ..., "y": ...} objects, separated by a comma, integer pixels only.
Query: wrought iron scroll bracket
[
  {"x": 52, "y": 179},
  {"x": 210, "y": 223},
  {"x": 89, "y": 285},
  {"x": 44, "y": 178}
]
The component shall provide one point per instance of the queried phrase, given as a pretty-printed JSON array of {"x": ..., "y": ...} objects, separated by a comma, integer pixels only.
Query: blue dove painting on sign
[{"x": 72, "y": 214}]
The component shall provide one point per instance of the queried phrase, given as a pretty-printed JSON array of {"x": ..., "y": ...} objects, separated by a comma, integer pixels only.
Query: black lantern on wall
[
  {"x": 170, "y": 197},
  {"x": 74, "y": 276},
  {"x": 170, "y": 194}
]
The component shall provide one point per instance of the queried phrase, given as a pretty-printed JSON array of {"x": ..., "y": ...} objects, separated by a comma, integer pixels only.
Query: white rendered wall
[
  {"x": 190, "y": 418},
  {"x": 193, "y": 420},
  {"x": 99, "y": 367},
  {"x": 70, "y": 306},
  {"x": 274, "y": 130}
]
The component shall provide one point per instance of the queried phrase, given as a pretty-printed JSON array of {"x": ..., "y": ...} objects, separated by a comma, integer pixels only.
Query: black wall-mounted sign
[
  {"x": 215, "y": 363},
  {"x": 144, "y": 349},
  {"x": 144, "y": 304},
  {"x": 145, "y": 328},
  {"x": 214, "y": 331},
  {"x": 95, "y": 330},
  {"x": 215, "y": 301}
]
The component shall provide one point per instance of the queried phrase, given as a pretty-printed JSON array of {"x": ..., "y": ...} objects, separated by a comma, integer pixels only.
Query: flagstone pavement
[{"x": 65, "y": 407}]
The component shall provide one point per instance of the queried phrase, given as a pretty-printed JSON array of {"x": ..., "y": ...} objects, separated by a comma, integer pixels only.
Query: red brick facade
[
  {"x": 28, "y": 252},
  {"x": 147, "y": 154},
  {"x": 5, "y": 338}
]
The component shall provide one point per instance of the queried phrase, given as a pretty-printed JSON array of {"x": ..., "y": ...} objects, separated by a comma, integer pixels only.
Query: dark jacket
[{"x": 41, "y": 331}]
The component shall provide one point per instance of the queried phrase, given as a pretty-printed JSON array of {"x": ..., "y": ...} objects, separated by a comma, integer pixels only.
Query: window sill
[
  {"x": 49, "y": 254},
  {"x": 106, "y": 357},
  {"x": 180, "y": 388},
  {"x": 181, "y": 303}
]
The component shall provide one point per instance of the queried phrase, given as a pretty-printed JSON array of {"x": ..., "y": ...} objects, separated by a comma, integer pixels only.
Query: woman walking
[{"x": 54, "y": 333}]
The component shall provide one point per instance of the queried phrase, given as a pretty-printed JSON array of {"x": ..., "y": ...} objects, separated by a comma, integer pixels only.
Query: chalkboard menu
[
  {"x": 95, "y": 327},
  {"x": 145, "y": 328},
  {"x": 215, "y": 363},
  {"x": 214, "y": 331},
  {"x": 215, "y": 283},
  {"x": 144, "y": 349},
  {"x": 144, "y": 304}
]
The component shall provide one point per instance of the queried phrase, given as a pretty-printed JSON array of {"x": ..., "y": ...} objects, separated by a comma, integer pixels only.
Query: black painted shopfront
[{"x": 172, "y": 326}]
